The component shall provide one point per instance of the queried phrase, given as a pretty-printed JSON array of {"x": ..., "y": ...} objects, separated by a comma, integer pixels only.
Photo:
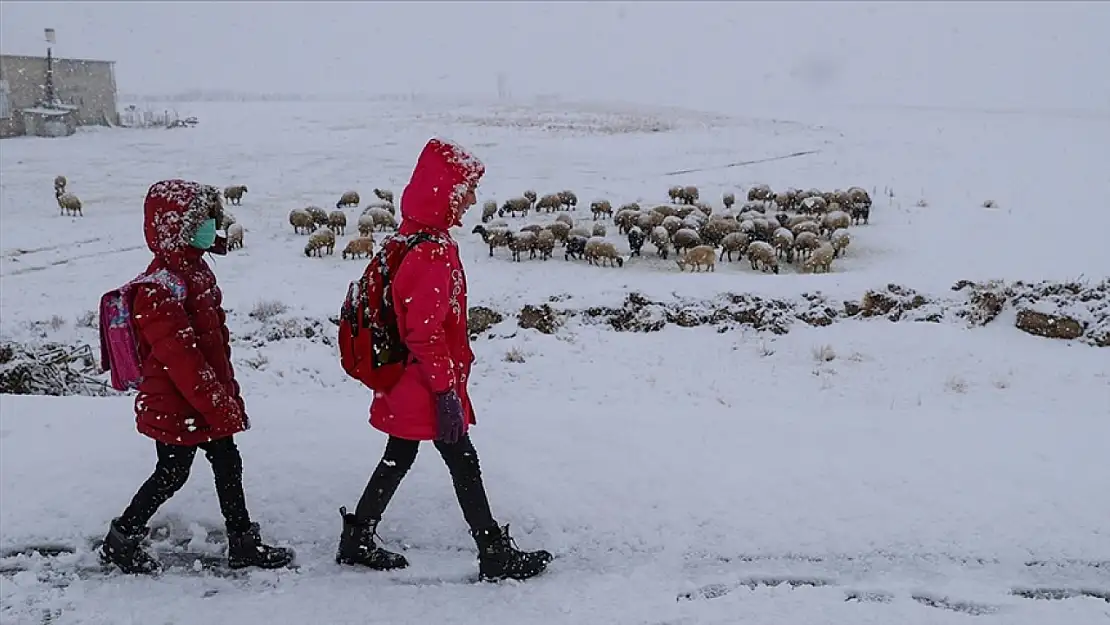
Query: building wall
[{"x": 90, "y": 85}]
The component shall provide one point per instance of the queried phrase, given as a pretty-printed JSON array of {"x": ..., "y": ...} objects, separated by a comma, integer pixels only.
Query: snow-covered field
[{"x": 908, "y": 472}]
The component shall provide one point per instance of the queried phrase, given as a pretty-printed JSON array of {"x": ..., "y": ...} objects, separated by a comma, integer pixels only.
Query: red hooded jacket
[
  {"x": 429, "y": 295},
  {"x": 188, "y": 394}
]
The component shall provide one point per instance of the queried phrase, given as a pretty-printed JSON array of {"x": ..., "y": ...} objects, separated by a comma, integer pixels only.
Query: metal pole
[{"x": 49, "y": 76}]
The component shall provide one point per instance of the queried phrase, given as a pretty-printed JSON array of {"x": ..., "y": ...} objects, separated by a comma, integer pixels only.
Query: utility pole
[{"x": 50, "y": 40}]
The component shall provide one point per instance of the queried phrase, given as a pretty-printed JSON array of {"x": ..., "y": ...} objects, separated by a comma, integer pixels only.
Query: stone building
[{"x": 87, "y": 85}]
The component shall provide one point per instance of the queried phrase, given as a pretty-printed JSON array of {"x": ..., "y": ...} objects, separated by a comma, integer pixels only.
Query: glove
[{"x": 449, "y": 417}]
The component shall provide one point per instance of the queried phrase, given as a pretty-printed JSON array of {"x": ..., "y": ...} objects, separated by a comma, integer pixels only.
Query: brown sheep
[
  {"x": 598, "y": 249},
  {"x": 700, "y": 256},
  {"x": 685, "y": 239},
  {"x": 234, "y": 193},
  {"x": 761, "y": 253},
  {"x": 601, "y": 207},
  {"x": 548, "y": 203},
  {"x": 350, "y": 198},
  {"x": 359, "y": 246},
  {"x": 301, "y": 220}
]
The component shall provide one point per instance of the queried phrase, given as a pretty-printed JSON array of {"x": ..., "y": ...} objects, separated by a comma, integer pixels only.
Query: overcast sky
[{"x": 1003, "y": 54}]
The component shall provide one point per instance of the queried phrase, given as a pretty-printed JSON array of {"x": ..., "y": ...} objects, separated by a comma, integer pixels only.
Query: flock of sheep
[
  {"x": 809, "y": 227},
  {"x": 322, "y": 226}
]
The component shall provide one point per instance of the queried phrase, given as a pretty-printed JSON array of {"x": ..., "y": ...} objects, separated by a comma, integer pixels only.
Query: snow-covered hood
[
  {"x": 442, "y": 175},
  {"x": 173, "y": 211}
]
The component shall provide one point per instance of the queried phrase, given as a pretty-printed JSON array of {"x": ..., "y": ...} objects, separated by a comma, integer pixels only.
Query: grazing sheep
[
  {"x": 601, "y": 207},
  {"x": 570, "y": 200},
  {"x": 814, "y": 204},
  {"x": 650, "y": 220},
  {"x": 566, "y": 219},
  {"x": 319, "y": 217},
  {"x": 635, "y": 240},
  {"x": 716, "y": 228},
  {"x": 576, "y": 247},
  {"x": 689, "y": 194},
  {"x": 382, "y": 204},
  {"x": 560, "y": 230},
  {"x": 625, "y": 219},
  {"x": 675, "y": 193},
  {"x": 533, "y": 228},
  {"x": 319, "y": 241},
  {"x": 350, "y": 198},
  {"x": 805, "y": 243},
  {"x": 821, "y": 258},
  {"x": 700, "y": 256},
  {"x": 839, "y": 240},
  {"x": 68, "y": 203},
  {"x": 598, "y": 230},
  {"x": 337, "y": 221},
  {"x": 234, "y": 193},
  {"x": 581, "y": 231},
  {"x": 234, "y": 236},
  {"x": 489, "y": 210},
  {"x": 545, "y": 243},
  {"x": 661, "y": 239},
  {"x": 797, "y": 219},
  {"x": 783, "y": 241},
  {"x": 665, "y": 209},
  {"x": 598, "y": 249},
  {"x": 835, "y": 220},
  {"x": 359, "y": 246},
  {"x": 365, "y": 225},
  {"x": 753, "y": 207},
  {"x": 515, "y": 205},
  {"x": 685, "y": 239},
  {"x": 787, "y": 200},
  {"x": 493, "y": 237},
  {"x": 60, "y": 183},
  {"x": 549, "y": 202},
  {"x": 384, "y": 195},
  {"x": 301, "y": 219},
  {"x": 728, "y": 200},
  {"x": 761, "y": 253},
  {"x": 734, "y": 242},
  {"x": 765, "y": 229},
  {"x": 806, "y": 226},
  {"x": 226, "y": 219},
  {"x": 631, "y": 206},
  {"x": 672, "y": 224},
  {"x": 382, "y": 218}
]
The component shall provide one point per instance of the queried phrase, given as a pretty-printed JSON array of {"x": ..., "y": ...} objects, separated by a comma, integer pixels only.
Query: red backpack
[{"x": 370, "y": 346}]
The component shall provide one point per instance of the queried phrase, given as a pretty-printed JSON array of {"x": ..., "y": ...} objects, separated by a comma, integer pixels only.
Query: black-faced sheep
[
  {"x": 671, "y": 224},
  {"x": 337, "y": 221},
  {"x": 821, "y": 259},
  {"x": 734, "y": 242},
  {"x": 493, "y": 237},
  {"x": 625, "y": 219},
  {"x": 570, "y": 200},
  {"x": 635, "y": 240},
  {"x": 384, "y": 195},
  {"x": 234, "y": 193},
  {"x": 859, "y": 204},
  {"x": 762, "y": 256},
  {"x": 350, "y": 198},
  {"x": 302, "y": 221},
  {"x": 359, "y": 247},
  {"x": 675, "y": 193},
  {"x": 698, "y": 257},
  {"x": 530, "y": 195},
  {"x": 689, "y": 194},
  {"x": 728, "y": 200},
  {"x": 60, "y": 183},
  {"x": 601, "y": 208},
  {"x": 319, "y": 242},
  {"x": 576, "y": 247},
  {"x": 598, "y": 249},
  {"x": 234, "y": 236}
]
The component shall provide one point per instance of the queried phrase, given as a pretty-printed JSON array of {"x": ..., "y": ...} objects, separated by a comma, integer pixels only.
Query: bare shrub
[
  {"x": 514, "y": 355},
  {"x": 265, "y": 310}
]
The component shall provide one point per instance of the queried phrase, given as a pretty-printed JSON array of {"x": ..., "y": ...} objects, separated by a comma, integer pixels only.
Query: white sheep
[
  {"x": 581, "y": 231},
  {"x": 365, "y": 225},
  {"x": 234, "y": 236},
  {"x": 661, "y": 239},
  {"x": 839, "y": 239},
  {"x": 783, "y": 241},
  {"x": 834, "y": 220},
  {"x": 814, "y": 204},
  {"x": 319, "y": 241},
  {"x": 597, "y": 249},
  {"x": 806, "y": 226},
  {"x": 761, "y": 253},
  {"x": 319, "y": 216},
  {"x": 821, "y": 258},
  {"x": 494, "y": 237},
  {"x": 337, "y": 221},
  {"x": 700, "y": 256}
]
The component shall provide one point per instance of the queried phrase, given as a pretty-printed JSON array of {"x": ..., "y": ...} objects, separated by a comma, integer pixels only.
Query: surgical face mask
[{"x": 205, "y": 236}]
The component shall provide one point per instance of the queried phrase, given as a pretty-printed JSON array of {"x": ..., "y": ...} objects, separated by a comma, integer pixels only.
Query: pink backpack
[{"x": 119, "y": 346}]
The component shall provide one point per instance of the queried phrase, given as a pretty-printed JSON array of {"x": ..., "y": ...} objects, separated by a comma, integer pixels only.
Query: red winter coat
[
  {"x": 429, "y": 295},
  {"x": 188, "y": 394}
]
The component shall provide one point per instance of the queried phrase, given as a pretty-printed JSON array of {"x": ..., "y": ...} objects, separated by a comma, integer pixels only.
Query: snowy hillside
[{"x": 745, "y": 469}]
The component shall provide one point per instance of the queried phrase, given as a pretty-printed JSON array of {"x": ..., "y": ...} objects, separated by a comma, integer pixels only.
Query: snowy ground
[{"x": 668, "y": 471}]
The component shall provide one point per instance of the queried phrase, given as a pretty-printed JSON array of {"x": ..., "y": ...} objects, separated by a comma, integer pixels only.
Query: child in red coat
[{"x": 188, "y": 398}]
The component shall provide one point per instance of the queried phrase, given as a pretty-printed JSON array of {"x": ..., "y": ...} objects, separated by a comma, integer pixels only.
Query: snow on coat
[
  {"x": 429, "y": 294},
  {"x": 188, "y": 394}
]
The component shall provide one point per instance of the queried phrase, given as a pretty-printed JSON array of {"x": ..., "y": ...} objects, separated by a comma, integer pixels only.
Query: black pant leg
[
  {"x": 399, "y": 455},
  {"x": 170, "y": 474},
  {"x": 462, "y": 461},
  {"x": 227, "y": 469}
]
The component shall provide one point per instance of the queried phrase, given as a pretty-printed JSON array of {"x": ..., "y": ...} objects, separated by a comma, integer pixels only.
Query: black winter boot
[
  {"x": 498, "y": 557},
  {"x": 247, "y": 549},
  {"x": 357, "y": 546},
  {"x": 124, "y": 549}
]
